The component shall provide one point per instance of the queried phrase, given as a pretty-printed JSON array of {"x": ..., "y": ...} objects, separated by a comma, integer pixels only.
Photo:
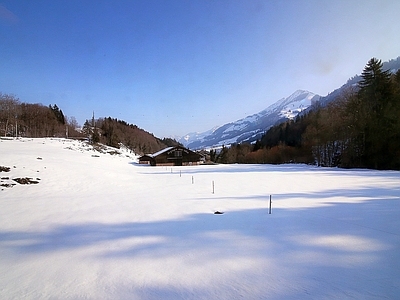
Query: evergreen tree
[
  {"x": 213, "y": 155},
  {"x": 375, "y": 97},
  {"x": 58, "y": 113},
  {"x": 95, "y": 133},
  {"x": 257, "y": 145},
  {"x": 375, "y": 86}
]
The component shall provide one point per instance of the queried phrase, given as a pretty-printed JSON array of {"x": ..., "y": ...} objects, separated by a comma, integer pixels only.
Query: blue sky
[{"x": 173, "y": 67}]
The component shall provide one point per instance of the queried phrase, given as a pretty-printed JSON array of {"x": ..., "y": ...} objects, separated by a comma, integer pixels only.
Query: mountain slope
[
  {"x": 252, "y": 127},
  {"x": 392, "y": 66}
]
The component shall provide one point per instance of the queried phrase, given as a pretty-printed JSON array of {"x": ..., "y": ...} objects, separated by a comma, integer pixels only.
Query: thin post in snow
[
  {"x": 192, "y": 179},
  {"x": 270, "y": 203},
  {"x": 180, "y": 173},
  {"x": 213, "y": 187}
]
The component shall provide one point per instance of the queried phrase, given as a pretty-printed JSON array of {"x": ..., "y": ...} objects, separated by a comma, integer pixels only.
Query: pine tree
[
  {"x": 375, "y": 86},
  {"x": 375, "y": 96},
  {"x": 95, "y": 133},
  {"x": 58, "y": 113}
]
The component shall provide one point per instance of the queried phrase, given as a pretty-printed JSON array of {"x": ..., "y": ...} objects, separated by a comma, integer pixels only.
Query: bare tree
[{"x": 9, "y": 112}]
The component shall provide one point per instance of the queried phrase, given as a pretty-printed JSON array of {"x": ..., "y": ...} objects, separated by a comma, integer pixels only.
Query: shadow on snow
[{"x": 331, "y": 244}]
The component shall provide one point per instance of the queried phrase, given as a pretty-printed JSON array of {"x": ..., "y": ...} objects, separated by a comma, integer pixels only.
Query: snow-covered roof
[{"x": 160, "y": 152}]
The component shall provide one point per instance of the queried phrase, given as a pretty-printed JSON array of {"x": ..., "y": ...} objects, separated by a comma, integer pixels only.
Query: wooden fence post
[{"x": 270, "y": 203}]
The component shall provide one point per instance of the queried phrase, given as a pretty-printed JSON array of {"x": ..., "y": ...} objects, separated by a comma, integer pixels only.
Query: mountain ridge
[{"x": 251, "y": 127}]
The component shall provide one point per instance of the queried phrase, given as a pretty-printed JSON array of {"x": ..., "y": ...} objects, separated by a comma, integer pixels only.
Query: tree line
[
  {"x": 19, "y": 119},
  {"x": 114, "y": 133},
  {"x": 360, "y": 129}
]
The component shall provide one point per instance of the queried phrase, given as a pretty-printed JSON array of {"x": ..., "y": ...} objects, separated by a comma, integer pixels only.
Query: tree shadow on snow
[
  {"x": 378, "y": 204},
  {"x": 330, "y": 244}
]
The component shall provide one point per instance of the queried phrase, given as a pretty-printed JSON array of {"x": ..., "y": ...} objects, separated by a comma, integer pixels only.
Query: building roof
[
  {"x": 160, "y": 152},
  {"x": 166, "y": 150}
]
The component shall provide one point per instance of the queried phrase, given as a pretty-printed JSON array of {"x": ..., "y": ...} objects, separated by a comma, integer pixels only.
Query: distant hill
[
  {"x": 19, "y": 119},
  {"x": 36, "y": 120},
  {"x": 251, "y": 128},
  {"x": 114, "y": 132}
]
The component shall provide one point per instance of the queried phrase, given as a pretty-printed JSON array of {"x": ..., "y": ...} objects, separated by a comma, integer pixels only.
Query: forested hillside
[
  {"x": 34, "y": 120},
  {"x": 113, "y": 132},
  {"x": 18, "y": 119},
  {"x": 361, "y": 128}
]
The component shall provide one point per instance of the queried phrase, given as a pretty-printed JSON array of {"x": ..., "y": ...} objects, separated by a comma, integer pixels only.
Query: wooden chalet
[{"x": 172, "y": 156}]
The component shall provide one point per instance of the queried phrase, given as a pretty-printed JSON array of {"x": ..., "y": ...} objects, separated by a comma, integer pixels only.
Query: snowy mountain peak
[
  {"x": 297, "y": 102},
  {"x": 252, "y": 127}
]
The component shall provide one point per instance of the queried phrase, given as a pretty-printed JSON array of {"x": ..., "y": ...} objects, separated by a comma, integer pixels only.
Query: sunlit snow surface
[{"x": 99, "y": 226}]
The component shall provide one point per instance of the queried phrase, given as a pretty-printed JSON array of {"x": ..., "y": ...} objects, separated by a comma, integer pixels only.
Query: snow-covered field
[{"x": 99, "y": 226}]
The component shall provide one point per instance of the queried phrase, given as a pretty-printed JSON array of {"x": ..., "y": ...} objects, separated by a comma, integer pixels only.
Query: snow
[
  {"x": 161, "y": 151},
  {"x": 100, "y": 226},
  {"x": 230, "y": 133},
  {"x": 196, "y": 136},
  {"x": 242, "y": 124},
  {"x": 235, "y": 127}
]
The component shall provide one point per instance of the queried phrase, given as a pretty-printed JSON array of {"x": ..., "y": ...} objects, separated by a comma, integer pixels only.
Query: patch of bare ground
[
  {"x": 4, "y": 169},
  {"x": 26, "y": 180},
  {"x": 6, "y": 182}
]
